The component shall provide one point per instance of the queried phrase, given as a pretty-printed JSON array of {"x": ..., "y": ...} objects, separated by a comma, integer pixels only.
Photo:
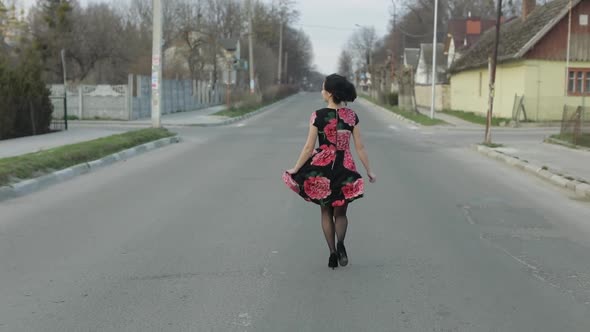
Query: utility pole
[
  {"x": 63, "y": 66},
  {"x": 569, "y": 40},
  {"x": 494, "y": 61},
  {"x": 285, "y": 69},
  {"x": 280, "y": 52},
  {"x": 251, "y": 49},
  {"x": 434, "y": 51},
  {"x": 157, "y": 63}
]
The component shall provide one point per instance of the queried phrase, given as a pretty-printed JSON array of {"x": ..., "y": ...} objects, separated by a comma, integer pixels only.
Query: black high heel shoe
[
  {"x": 342, "y": 256},
  {"x": 333, "y": 262}
]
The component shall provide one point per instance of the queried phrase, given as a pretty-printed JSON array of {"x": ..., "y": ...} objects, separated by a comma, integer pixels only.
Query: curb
[
  {"x": 29, "y": 186},
  {"x": 245, "y": 116},
  {"x": 579, "y": 188},
  {"x": 566, "y": 144},
  {"x": 395, "y": 115}
]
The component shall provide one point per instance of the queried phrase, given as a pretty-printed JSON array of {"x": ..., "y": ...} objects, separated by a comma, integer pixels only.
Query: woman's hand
[
  {"x": 372, "y": 177},
  {"x": 292, "y": 171}
]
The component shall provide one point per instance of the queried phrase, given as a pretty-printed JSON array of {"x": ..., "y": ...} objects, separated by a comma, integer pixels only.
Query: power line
[{"x": 325, "y": 27}]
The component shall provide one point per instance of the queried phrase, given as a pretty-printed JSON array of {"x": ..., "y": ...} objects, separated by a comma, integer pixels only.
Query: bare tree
[
  {"x": 363, "y": 43},
  {"x": 97, "y": 38},
  {"x": 345, "y": 64}
]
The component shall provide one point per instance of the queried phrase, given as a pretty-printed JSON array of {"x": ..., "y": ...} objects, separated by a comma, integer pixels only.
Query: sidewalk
[
  {"x": 30, "y": 144},
  {"x": 452, "y": 120},
  {"x": 558, "y": 159},
  {"x": 81, "y": 131}
]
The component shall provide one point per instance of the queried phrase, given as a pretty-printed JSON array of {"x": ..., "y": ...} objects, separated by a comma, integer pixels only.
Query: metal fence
[
  {"x": 575, "y": 125},
  {"x": 59, "y": 121}
]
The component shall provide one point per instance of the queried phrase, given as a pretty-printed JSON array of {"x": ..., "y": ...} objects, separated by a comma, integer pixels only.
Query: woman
[{"x": 327, "y": 176}]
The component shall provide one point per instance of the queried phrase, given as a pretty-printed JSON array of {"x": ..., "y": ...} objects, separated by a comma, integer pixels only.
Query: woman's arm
[
  {"x": 362, "y": 153},
  {"x": 307, "y": 149}
]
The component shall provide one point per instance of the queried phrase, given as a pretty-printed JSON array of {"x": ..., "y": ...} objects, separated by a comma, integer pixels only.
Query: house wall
[
  {"x": 470, "y": 89},
  {"x": 553, "y": 46},
  {"x": 541, "y": 82},
  {"x": 422, "y": 72},
  {"x": 442, "y": 96},
  {"x": 545, "y": 85}
]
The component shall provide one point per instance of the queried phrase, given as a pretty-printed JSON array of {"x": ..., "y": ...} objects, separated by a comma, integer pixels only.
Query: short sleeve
[
  {"x": 356, "y": 119},
  {"x": 313, "y": 120}
]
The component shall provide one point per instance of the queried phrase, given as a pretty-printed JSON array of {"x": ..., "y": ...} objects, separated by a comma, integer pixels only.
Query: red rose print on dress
[
  {"x": 347, "y": 115},
  {"x": 349, "y": 161},
  {"x": 354, "y": 189},
  {"x": 313, "y": 117},
  {"x": 326, "y": 156},
  {"x": 317, "y": 187},
  {"x": 288, "y": 179},
  {"x": 330, "y": 131},
  {"x": 343, "y": 140}
]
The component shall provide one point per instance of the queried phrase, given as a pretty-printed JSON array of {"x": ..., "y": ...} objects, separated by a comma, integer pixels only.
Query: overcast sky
[{"x": 329, "y": 24}]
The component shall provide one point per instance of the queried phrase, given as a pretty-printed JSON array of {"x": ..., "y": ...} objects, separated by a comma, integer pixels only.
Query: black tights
[{"x": 334, "y": 224}]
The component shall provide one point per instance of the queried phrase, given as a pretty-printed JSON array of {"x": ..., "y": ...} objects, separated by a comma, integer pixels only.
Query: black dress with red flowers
[{"x": 329, "y": 177}]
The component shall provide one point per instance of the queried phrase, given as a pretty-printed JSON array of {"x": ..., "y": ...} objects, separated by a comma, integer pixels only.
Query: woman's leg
[
  {"x": 328, "y": 226},
  {"x": 341, "y": 222}
]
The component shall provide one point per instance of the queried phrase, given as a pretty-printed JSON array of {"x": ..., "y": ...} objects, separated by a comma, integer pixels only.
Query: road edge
[
  {"x": 30, "y": 186},
  {"x": 245, "y": 116},
  {"x": 579, "y": 188},
  {"x": 395, "y": 115}
]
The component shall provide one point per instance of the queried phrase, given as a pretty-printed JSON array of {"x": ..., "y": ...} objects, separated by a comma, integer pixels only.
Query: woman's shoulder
[
  {"x": 349, "y": 116},
  {"x": 322, "y": 112},
  {"x": 348, "y": 109}
]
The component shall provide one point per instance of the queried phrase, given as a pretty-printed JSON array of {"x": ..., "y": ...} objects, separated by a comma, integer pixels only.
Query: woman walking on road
[{"x": 327, "y": 175}]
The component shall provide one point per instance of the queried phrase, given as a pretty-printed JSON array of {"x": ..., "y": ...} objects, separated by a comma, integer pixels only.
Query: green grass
[
  {"x": 494, "y": 145},
  {"x": 475, "y": 118},
  {"x": 103, "y": 118},
  {"x": 583, "y": 140},
  {"x": 249, "y": 105},
  {"x": 36, "y": 164},
  {"x": 416, "y": 117}
]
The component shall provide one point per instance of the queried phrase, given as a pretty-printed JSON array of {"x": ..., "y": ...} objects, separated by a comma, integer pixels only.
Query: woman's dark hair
[{"x": 340, "y": 88}]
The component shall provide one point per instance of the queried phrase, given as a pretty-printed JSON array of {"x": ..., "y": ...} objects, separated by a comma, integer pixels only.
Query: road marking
[
  {"x": 467, "y": 213},
  {"x": 244, "y": 320},
  {"x": 413, "y": 127},
  {"x": 393, "y": 127},
  {"x": 240, "y": 125}
]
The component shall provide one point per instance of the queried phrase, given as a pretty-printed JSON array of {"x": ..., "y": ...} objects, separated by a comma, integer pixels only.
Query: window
[
  {"x": 571, "y": 82},
  {"x": 578, "y": 82}
]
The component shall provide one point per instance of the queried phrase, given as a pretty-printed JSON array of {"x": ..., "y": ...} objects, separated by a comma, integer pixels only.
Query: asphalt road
[{"x": 204, "y": 236}]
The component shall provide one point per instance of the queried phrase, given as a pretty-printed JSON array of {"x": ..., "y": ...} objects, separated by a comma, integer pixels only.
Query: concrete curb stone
[
  {"x": 579, "y": 188},
  {"x": 566, "y": 144},
  {"x": 29, "y": 186}
]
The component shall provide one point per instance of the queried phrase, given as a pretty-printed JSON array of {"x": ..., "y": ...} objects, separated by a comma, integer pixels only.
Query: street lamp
[
  {"x": 434, "y": 51},
  {"x": 157, "y": 63}
]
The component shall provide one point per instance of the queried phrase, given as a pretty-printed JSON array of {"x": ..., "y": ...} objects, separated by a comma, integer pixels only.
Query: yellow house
[{"x": 531, "y": 63}]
